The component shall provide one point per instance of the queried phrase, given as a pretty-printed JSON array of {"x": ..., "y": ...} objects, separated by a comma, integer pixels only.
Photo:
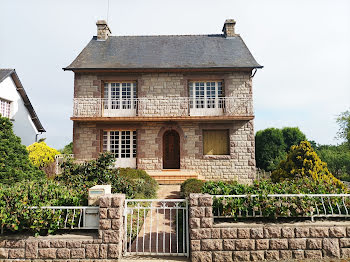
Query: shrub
[
  {"x": 302, "y": 185},
  {"x": 143, "y": 185},
  {"x": 14, "y": 161},
  {"x": 41, "y": 154},
  {"x": 15, "y": 200},
  {"x": 191, "y": 185},
  {"x": 133, "y": 183},
  {"x": 271, "y": 207},
  {"x": 302, "y": 161}
]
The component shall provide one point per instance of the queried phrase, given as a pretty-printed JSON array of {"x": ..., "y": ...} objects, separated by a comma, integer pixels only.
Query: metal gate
[{"x": 156, "y": 227}]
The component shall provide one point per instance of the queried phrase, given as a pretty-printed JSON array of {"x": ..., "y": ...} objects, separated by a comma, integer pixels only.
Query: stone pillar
[
  {"x": 111, "y": 229},
  {"x": 200, "y": 224}
]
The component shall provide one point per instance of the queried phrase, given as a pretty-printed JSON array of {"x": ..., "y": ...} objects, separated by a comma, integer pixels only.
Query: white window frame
[
  {"x": 206, "y": 105},
  {"x": 121, "y": 160},
  {"x": 121, "y": 106},
  {"x": 5, "y": 108}
]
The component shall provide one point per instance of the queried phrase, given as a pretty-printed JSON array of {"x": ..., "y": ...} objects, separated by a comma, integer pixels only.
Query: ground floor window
[
  {"x": 122, "y": 143},
  {"x": 216, "y": 142},
  {"x": 5, "y": 108}
]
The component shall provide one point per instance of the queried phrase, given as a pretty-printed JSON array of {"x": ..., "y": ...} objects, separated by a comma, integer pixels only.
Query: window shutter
[{"x": 216, "y": 142}]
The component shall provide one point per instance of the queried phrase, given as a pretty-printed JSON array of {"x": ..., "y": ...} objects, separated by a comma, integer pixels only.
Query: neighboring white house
[{"x": 15, "y": 104}]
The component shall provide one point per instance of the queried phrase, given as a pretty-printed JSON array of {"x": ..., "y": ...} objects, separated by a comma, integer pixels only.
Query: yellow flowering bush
[
  {"x": 41, "y": 155},
  {"x": 303, "y": 161}
]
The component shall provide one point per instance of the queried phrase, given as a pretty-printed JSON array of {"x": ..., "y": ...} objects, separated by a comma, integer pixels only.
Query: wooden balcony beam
[{"x": 161, "y": 118}]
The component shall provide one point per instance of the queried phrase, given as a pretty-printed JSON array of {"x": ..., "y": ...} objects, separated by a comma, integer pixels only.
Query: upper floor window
[
  {"x": 5, "y": 108},
  {"x": 206, "y": 94},
  {"x": 120, "y": 95}
]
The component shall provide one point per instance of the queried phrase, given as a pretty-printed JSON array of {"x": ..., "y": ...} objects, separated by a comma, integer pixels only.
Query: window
[
  {"x": 120, "y": 95},
  {"x": 5, "y": 108},
  {"x": 121, "y": 143},
  {"x": 205, "y": 94},
  {"x": 216, "y": 142}
]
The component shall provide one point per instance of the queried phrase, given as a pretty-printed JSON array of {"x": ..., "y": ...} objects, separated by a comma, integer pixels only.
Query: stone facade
[
  {"x": 238, "y": 165},
  {"x": 106, "y": 246},
  {"x": 210, "y": 242}
]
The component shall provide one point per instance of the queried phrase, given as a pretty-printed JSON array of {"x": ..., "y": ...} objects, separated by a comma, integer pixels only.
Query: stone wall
[
  {"x": 164, "y": 85},
  {"x": 107, "y": 245},
  {"x": 227, "y": 242},
  {"x": 86, "y": 140},
  {"x": 238, "y": 165}
]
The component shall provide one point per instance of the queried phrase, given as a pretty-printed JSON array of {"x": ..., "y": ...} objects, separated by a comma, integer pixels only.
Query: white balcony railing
[{"x": 162, "y": 107}]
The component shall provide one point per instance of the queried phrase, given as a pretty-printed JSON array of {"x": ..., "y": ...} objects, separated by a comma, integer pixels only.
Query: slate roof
[
  {"x": 162, "y": 52},
  {"x": 4, "y": 73}
]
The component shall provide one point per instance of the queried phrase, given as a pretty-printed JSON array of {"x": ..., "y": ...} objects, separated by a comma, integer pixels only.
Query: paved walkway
[{"x": 159, "y": 233}]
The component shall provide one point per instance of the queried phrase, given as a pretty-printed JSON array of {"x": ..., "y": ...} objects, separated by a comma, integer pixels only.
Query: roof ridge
[{"x": 166, "y": 35}]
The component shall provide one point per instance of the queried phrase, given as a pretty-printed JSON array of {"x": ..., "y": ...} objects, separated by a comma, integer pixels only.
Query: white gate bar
[{"x": 159, "y": 207}]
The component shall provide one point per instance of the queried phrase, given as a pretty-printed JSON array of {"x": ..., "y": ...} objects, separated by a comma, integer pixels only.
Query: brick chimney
[
  {"x": 229, "y": 28},
  {"x": 103, "y": 30}
]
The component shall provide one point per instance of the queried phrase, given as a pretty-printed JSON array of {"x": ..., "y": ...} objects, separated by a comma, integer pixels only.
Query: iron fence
[
  {"x": 73, "y": 217},
  {"x": 281, "y": 205}
]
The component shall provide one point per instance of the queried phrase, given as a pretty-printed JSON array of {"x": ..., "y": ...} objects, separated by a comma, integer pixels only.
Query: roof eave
[
  {"x": 39, "y": 127},
  {"x": 161, "y": 68}
]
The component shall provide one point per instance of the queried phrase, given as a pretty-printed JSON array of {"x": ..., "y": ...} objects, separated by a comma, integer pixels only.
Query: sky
[{"x": 304, "y": 47}]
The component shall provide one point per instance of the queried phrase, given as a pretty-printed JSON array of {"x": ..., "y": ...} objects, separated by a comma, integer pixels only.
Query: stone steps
[{"x": 172, "y": 177}]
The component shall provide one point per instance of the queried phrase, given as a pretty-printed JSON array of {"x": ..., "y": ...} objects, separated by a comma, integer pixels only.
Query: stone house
[{"x": 177, "y": 106}]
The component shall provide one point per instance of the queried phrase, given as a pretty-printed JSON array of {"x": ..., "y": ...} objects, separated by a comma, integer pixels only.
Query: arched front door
[{"x": 171, "y": 150}]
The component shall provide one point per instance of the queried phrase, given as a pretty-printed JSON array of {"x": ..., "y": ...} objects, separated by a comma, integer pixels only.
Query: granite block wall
[{"x": 210, "y": 241}]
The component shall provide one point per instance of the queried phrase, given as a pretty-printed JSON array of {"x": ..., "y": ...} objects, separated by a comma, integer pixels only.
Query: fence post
[
  {"x": 111, "y": 229},
  {"x": 200, "y": 224}
]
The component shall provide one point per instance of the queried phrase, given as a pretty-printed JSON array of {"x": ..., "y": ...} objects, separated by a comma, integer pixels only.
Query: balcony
[{"x": 172, "y": 107}]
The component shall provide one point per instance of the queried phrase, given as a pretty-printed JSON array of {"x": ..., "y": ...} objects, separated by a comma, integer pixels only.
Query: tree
[
  {"x": 303, "y": 161},
  {"x": 270, "y": 148},
  {"x": 14, "y": 160},
  {"x": 292, "y": 136},
  {"x": 337, "y": 159},
  {"x": 273, "y": 144},
  {"x": 343, "y": 121},
  {"x": 68, "y": 149}
]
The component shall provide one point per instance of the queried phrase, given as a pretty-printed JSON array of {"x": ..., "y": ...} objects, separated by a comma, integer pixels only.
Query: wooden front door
[{"x": 171, "y": 150}]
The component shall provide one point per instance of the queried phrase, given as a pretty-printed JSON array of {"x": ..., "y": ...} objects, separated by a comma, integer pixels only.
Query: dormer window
[{"x": 5, "y": 108}]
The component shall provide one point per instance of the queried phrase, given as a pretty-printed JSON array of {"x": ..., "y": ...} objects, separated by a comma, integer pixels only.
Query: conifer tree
[{"x": 14, "y": 160}]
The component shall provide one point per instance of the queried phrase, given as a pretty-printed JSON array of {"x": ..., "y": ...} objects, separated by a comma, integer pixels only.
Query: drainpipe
[{"x": 36, "y": 136}]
